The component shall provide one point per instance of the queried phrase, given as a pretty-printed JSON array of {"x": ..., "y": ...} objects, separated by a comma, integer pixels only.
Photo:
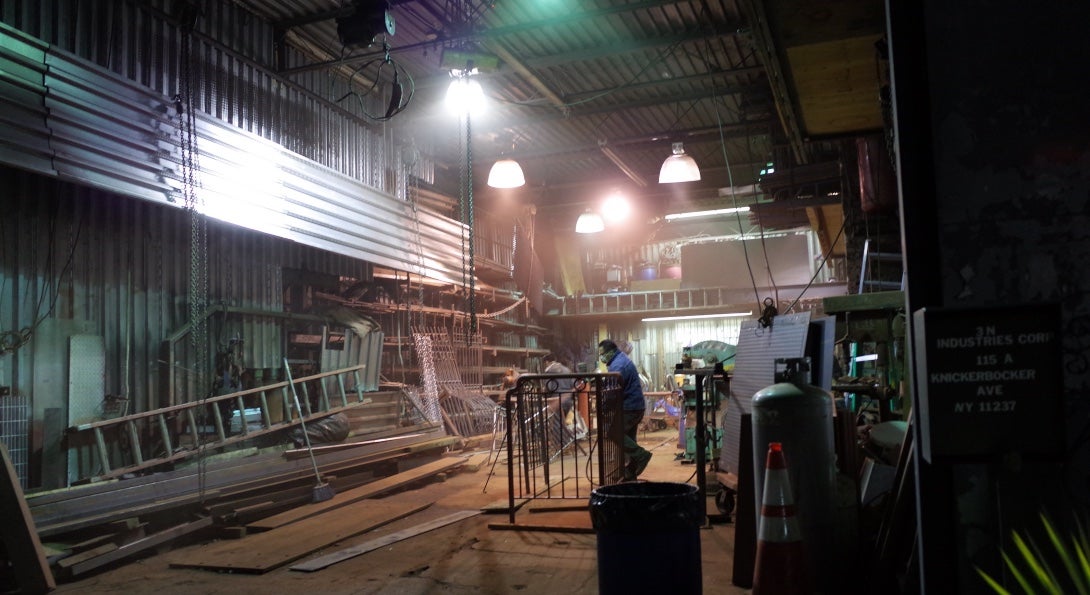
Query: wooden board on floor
[
  {"x": 137, "y": 546},
  {"x": 474, "y": 462},
  {"x": 365, "y": 491},
  {"x": 266, "y": 551},
  {"x": 20, "y": 537},
  {"x": 385, "y": 540}
]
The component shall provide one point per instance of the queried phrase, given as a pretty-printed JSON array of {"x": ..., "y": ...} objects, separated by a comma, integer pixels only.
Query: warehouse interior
[{"x": 279, "y": 280}]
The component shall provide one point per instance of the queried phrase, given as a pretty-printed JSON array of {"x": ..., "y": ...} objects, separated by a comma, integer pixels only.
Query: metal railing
[
  {"x": 144, "y": 440},
  {"x": 550, "y": 457}
]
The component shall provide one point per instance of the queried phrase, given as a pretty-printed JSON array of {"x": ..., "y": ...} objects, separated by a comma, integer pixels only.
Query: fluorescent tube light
[
  {"x": 697, "y": 316},
  {"x": 711, "y": 213}
]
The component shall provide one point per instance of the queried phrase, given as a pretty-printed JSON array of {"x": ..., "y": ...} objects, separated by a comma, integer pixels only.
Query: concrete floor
[{"x": 465, "y": 557}]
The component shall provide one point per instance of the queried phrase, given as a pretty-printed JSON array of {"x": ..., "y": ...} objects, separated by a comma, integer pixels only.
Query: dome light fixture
[
  {"x": 679, "y": 167},
  {"x": 506, "y": 173},
  {"x": 589, "y": 222}
]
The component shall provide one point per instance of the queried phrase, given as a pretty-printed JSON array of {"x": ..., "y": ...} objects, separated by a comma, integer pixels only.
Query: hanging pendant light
[
  {"x": 506, "y": 173},
  {"x": 679, "y": 167},
  {"x": 465, "y": 95},
  {"x": 589, "y": 222}
]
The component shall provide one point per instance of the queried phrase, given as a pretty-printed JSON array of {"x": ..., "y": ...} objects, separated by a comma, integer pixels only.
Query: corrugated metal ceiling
[{"x": 572, "y": 77}]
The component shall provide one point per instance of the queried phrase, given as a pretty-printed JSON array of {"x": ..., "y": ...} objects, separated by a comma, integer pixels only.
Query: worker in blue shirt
[{"x": 633, "y": 405}]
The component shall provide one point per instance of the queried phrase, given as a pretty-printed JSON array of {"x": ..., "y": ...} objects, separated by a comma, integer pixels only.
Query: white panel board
[
  {"x": 754, "y": 369},
  {"x": 86, "y": 388}
]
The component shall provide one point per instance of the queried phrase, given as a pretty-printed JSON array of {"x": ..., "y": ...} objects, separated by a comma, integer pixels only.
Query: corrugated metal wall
[
  {"x": 99, "y": 124},
  {"x": 81, "y": 261},
  {"x": 64, "y": 117},
  {"x": 662, "y": 342},
  {"x": 137, "y": 41}
]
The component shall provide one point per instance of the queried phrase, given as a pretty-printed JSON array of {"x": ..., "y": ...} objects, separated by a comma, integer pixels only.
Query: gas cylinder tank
[{"x": 800, "y": 416}]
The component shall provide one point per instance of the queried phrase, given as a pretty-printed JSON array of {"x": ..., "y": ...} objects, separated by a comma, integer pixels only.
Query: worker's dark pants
[{"x": 632, "y": 421}]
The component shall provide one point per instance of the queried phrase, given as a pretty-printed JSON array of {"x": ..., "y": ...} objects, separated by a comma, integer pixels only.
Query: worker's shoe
[{"x": 639, "y": 463}]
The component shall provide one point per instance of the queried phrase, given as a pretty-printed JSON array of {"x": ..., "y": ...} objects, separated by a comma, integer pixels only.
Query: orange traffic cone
[{"x": 782, "y": 566}]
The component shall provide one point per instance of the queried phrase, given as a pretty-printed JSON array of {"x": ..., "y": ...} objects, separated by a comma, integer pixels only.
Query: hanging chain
[
  {"x": 413, "y": 195},
  {"x": 469, "y": 226},
  {"x": 462, "y": 215},
  {"x": 198, "y": 238}
]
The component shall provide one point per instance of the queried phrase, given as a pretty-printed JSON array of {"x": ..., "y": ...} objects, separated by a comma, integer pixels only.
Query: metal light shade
[
  {"x": 589, "y": 222},
  {"x": 679, "y": 167},
  {"x": 506, "y": 173}
]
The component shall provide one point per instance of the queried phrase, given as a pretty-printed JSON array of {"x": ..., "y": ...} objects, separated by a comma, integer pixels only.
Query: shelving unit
[{"x": 509, "y": 340}]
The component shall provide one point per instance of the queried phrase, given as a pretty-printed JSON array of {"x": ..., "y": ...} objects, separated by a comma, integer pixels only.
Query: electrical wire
[
  {"x": 398, "y": 98},
  {"x": 734, "y": 196},
  {"x": 824, "y": 259},
  {"x": 14, "y": 339}
]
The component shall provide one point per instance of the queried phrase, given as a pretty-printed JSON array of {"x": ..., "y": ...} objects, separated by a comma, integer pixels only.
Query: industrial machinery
[
  {"x": 704, "y": 355},
  {"x": 709, "y": 353}
]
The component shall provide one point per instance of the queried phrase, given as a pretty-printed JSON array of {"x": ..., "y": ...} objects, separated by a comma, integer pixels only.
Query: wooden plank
[
  {"x": 86, "y": 555},
  {"x": 374, "y": 544},
  {"x": 24, "y": 550},
  {"x": 267, "y": 551},
  {"x": 365, "y": 491},
  {"x": 139, "y": 545},
  {"x": 474, "y": 462}
]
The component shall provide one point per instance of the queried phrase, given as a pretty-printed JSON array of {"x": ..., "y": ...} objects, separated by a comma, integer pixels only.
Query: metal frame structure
[{"x": 545, "y": 458}]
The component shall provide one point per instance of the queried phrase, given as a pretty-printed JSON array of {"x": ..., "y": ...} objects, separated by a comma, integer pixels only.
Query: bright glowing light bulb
[{"x": 465, "y": 95}]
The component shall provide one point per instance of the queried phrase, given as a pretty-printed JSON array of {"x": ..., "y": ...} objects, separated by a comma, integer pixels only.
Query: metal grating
[
  {"x": 465, "y": 408},
  {"x": 14, "y": 433}
]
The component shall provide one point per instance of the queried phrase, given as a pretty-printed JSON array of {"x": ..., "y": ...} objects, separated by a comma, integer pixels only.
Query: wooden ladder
[{"x": 166, "y": 425}]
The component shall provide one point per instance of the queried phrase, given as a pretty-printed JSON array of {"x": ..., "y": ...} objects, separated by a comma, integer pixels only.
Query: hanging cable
[
  {"x": 399, "y": 96},
  {"x": 824, "y": 260},
  {"x": 734, "y": 197}
]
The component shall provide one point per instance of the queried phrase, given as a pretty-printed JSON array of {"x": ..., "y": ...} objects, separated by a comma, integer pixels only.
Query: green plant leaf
[
  {"x": 1036, "y": 563},
  {"x": 1082, "y": 546},
  {"x": 1032, "y": 567},
  {"x": 1017, "y": 574},
  {"x": 1065, "y": 556},
  {"x": 991, "y": 582}
]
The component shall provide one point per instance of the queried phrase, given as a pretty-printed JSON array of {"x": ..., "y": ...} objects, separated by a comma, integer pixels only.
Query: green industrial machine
[{"x": 705, "y": 355}]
